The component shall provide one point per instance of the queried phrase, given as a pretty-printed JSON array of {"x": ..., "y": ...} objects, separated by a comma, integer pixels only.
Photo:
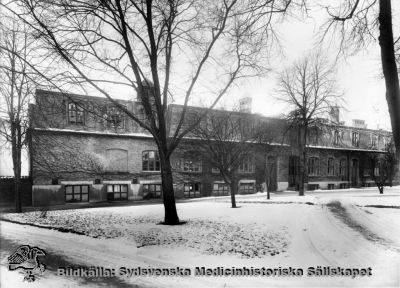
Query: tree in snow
[
  {"x": 382, "y": 167},
  {"x": 17, "y": 82},
  {"x": 359, "y": 22},
  {"x": 175, "y": 46},
  {"x": 227, "y": 140},
  {"x": 309, "y": 89}
]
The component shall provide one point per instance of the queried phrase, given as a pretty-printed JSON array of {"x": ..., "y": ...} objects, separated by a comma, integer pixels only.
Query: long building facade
[{"x": 83, "y": 149}]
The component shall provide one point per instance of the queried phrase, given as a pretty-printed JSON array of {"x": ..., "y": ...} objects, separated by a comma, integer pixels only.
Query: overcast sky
[{"x": 359, "y": 76}]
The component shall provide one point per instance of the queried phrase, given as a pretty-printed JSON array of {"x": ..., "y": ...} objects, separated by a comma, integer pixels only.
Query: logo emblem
[{"x": 26, "y": 259}]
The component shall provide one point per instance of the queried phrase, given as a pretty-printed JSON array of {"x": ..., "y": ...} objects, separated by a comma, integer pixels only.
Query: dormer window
[
  {"x": 115, "y": 117},
  {"x": 336, "y": 137},
  {"x": 75, "y": 113},
  {"x": 374, "y": 141},
  {"x": 355, "y": 139}
]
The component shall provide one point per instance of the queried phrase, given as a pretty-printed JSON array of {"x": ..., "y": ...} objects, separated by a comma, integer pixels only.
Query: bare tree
[
  {"x": 309, "y": 89},
  {"x": 123, "y": 43},
  {"x": 359, "y": 22},
  {"x": 268, "y": 134},
  {"x": 16, "y": 91},
  {"x": 226, "y": 140},
  {"x": 382, "y": 167}
]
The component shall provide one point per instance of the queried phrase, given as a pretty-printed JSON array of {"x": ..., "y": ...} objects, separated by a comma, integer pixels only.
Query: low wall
[
  {"x": 7, "y": 193},
  {"x": 48, "y": 195}
]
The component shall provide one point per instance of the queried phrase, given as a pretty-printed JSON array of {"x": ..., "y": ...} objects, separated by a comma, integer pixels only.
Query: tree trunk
[
  {"x": 302, "y": 152},
  {"x": 171, "y": 216},
  {"x": 266, "y": 173},
  {"x": 380, "y": 187},
  {"x": 16, "y": 158},
  {"x": 389, "y": 68},
  {"x": 234, "y": 188}
]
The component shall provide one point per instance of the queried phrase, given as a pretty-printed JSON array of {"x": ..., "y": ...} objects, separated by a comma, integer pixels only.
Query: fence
[{"x": 7, "y": 194}]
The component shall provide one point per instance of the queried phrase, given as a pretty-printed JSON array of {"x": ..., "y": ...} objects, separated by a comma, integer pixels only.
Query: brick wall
[{"x": 80, "y": 156}]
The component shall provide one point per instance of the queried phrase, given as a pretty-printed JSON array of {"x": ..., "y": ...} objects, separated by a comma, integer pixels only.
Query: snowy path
[{"x": 317, "y": 238}]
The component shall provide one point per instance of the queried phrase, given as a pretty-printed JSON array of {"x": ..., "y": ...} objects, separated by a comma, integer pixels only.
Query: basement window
[
  {"x": 76, "y": 193},
  {"x": 117, "y": 192},
  {"x": 246, "y": 188},
  {"x": 220, "y": 189},
  {"x": 152, "y": 191},
  {"x": 191, "y": 190}
]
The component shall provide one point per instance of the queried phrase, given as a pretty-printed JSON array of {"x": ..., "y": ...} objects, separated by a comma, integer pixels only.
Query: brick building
[{"x": 82, "y": 149}]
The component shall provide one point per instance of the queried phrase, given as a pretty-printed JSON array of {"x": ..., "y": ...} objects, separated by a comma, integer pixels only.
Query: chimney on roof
[
  {"x": 334, "y": 115},
  {"x": 148, "y": 95},
  {"x": 245, "y": 105},
  {"x": 358, "y": 123}
]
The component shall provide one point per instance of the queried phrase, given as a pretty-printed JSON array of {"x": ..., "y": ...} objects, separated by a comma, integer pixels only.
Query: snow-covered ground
[{"x": 324, "y": 228}]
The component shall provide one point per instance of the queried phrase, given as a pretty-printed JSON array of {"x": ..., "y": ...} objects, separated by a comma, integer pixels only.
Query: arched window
[
  {"x": 117, "y": 160},
  {"x": 75, "y": 113}
]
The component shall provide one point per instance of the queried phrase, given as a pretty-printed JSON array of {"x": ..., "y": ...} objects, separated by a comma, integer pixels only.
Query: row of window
[
  {"x": 151, "y": 162},
  {"x": 112, "y": 115},
  {"x": 115, "y": 118},
  {"x": 355, "y": 139},
  {"x": 80, "y": 193},
  {"x": 314, "y": 167}
]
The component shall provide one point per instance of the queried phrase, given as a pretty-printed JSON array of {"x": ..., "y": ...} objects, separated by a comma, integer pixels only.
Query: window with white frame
[
  {"x": 247, "y": 164},
  {"x": 331, "y": 166},
  {"x": 75, "y": 113},
  {"x": 313, "y": 166},
  {"x": 150, "y": 161}
]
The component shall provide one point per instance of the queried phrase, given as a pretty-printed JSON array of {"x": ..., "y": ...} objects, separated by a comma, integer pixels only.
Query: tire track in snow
[
  {"x": 336, "y": 242},
  {"x": 376, "y": 225},
  {"x": 86, "y": 251},
  {"x": 311, "y": 236},
  {"x": 83, "y": 250}
]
